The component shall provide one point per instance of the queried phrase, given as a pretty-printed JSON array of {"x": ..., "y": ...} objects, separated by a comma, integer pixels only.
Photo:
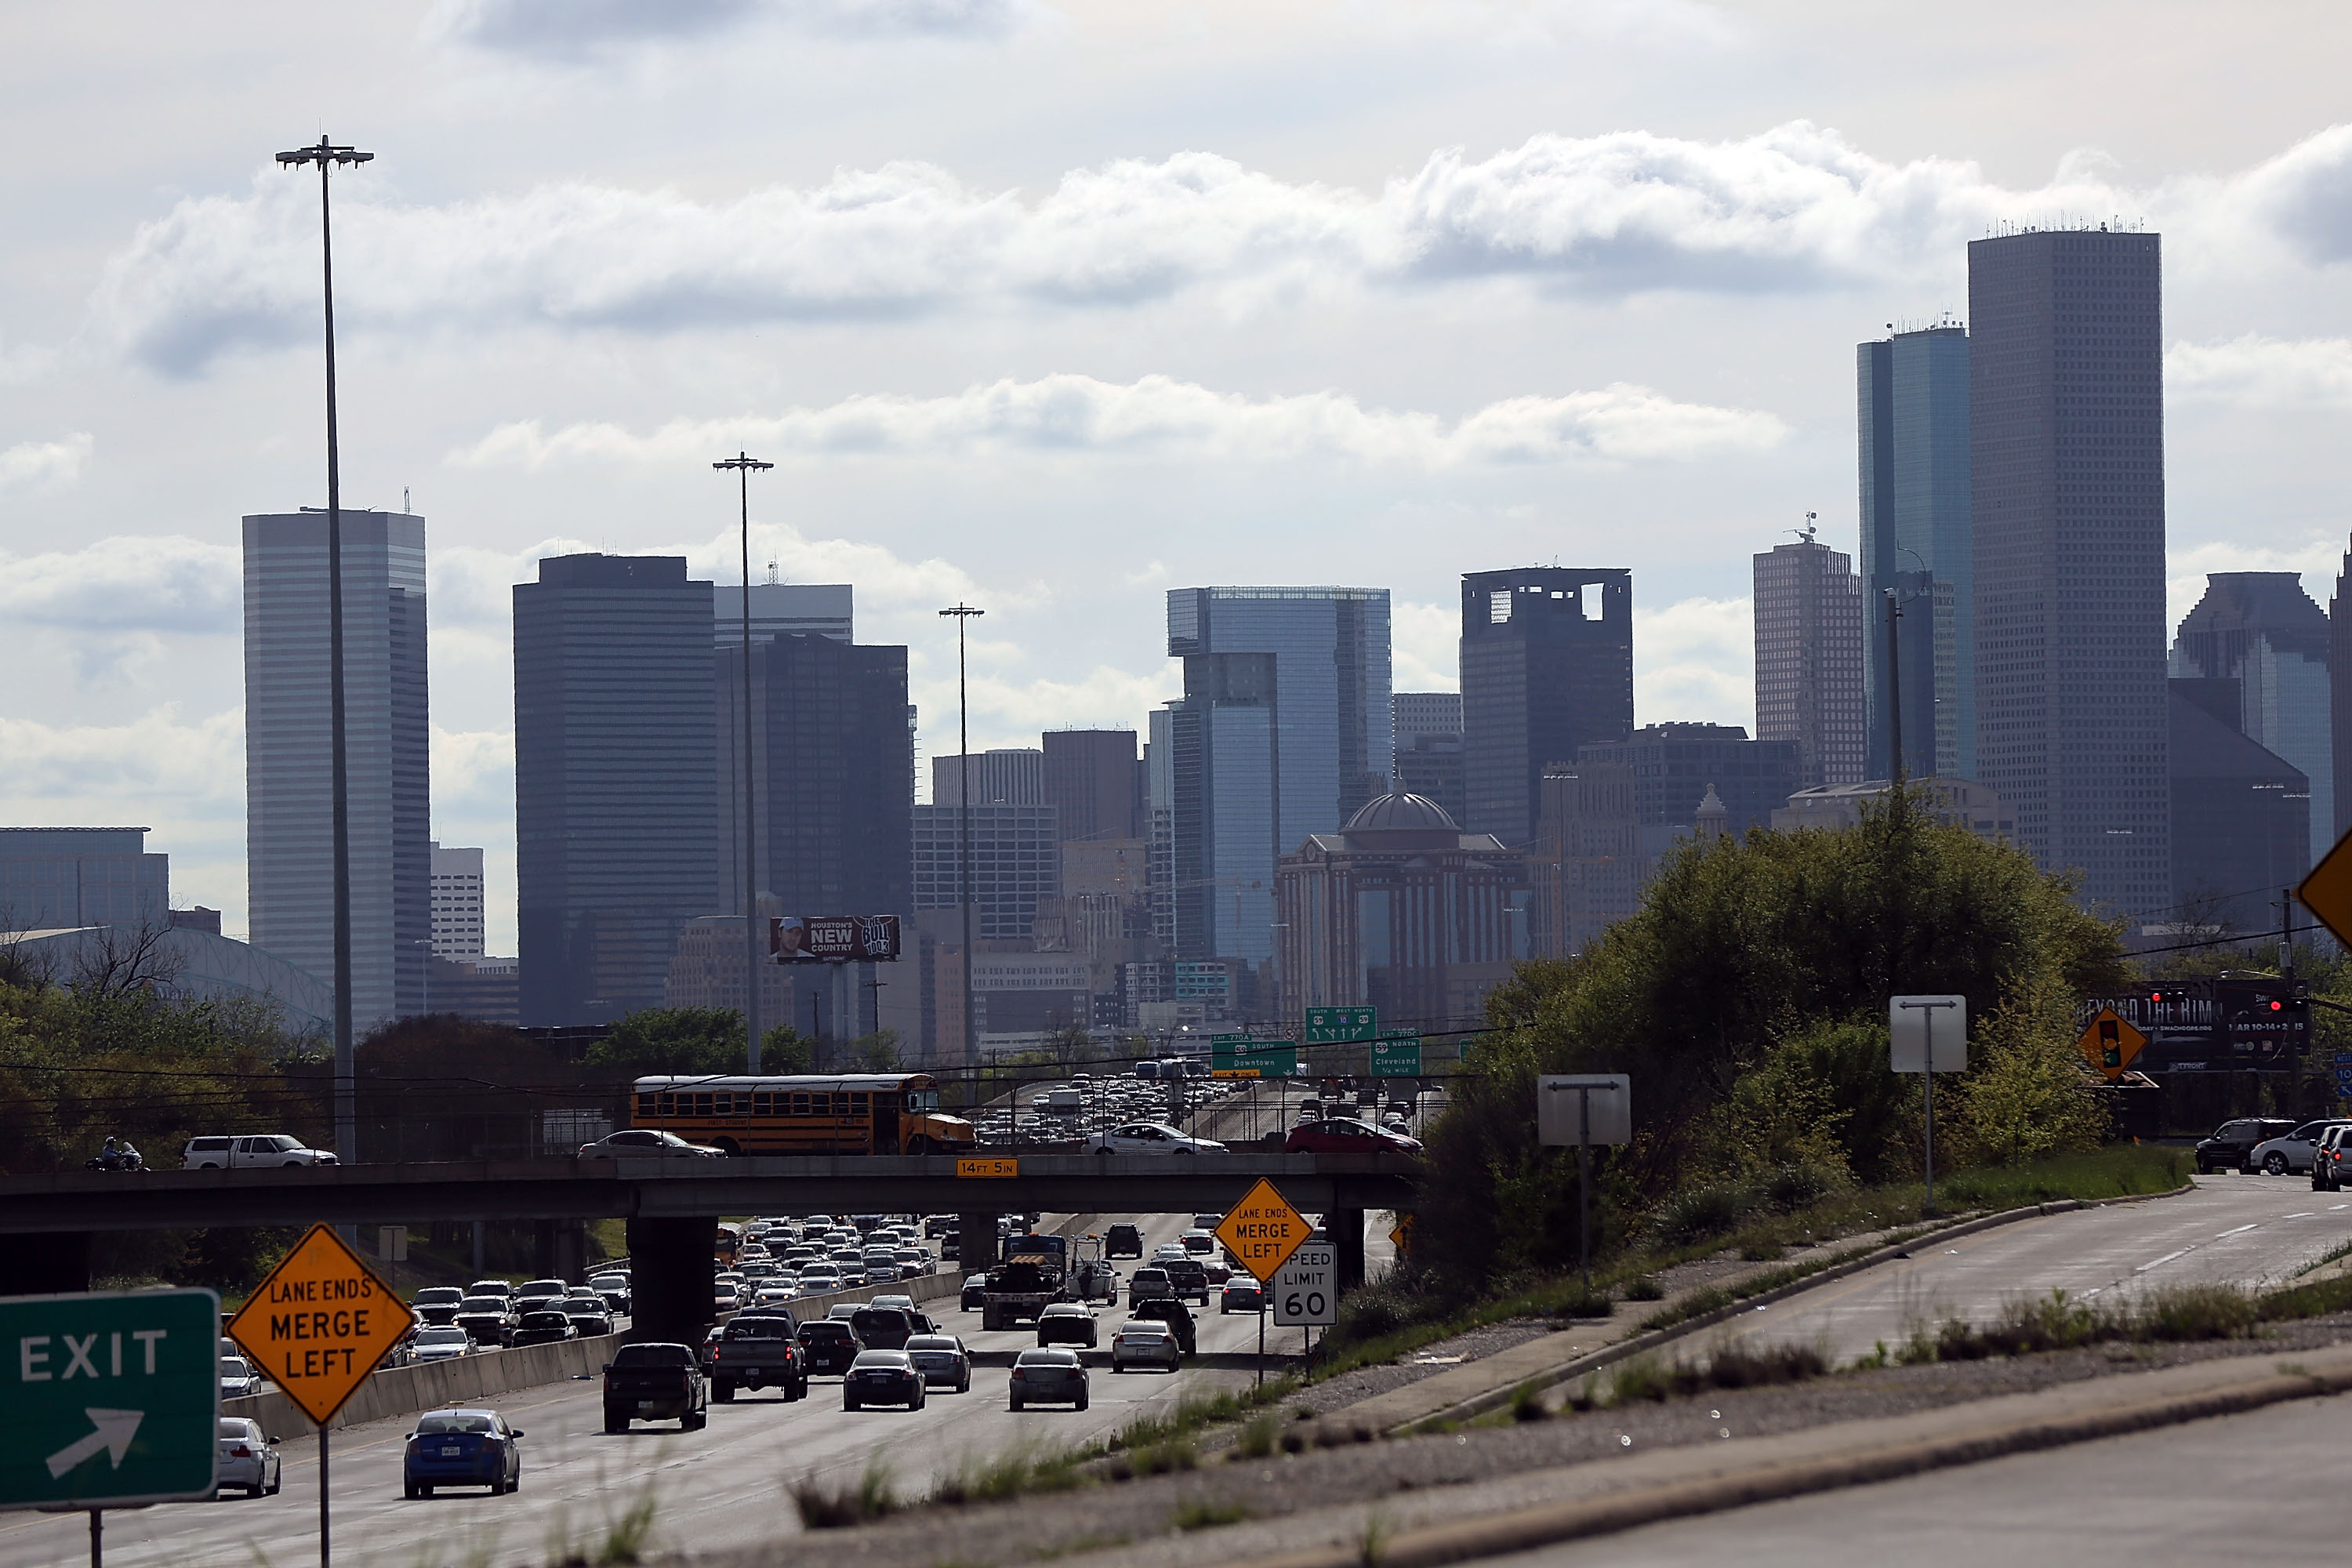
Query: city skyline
[{"x": 958, "y": 426}]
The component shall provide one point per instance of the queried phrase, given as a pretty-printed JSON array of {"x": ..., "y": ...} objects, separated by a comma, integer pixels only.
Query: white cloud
[
  {"x": 1695, "y": 660},
  {"x": 2257, "y": 371},
  {"x": 1424, "y": 646},
  {"x": 1795, "y": 207},
  {"x": 1510, "y": 26},
  {"x": 36, "y": 463},
  {"x": 569, "y": 30},
  {"x": 1160, "y": 416},
  {"x": 158, "y": 583}
]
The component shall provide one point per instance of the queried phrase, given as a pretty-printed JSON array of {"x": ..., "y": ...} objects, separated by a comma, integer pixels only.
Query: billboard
[{"x": 833, "y": 939}]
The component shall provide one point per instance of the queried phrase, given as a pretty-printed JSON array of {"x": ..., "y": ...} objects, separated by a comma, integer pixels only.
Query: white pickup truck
[{"x": 243, "y": 1152}]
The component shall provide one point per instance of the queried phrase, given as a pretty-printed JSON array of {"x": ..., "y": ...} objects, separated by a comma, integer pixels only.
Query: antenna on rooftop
[
  {"x": 771, "y": 571},
  {"x": 1806, "y": 532}
]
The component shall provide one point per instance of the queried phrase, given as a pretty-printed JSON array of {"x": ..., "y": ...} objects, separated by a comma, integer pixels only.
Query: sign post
[
  {"x": 316, "y": 1326},
  {"x": 115, "y": 1402},
  {"x": 1554, "y": 1129},
  {"x": 1261, "y": 1232},
  {"x": 1911, "y": 1035}
]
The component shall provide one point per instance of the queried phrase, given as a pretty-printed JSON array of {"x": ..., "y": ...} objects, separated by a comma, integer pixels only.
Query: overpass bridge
[{"x": 672, "y": 1207}]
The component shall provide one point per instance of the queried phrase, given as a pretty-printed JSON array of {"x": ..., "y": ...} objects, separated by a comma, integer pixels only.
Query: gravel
[{"x": 1232, "y": 1489}]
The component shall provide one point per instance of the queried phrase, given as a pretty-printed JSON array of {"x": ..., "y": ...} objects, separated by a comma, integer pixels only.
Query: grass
[
  {"x": 824, "y": 1506},
  {"x": 1257, "y": 1436},
  {"x": 1012, "y": 1472},
  {"x": 1199, "y": 1513},
  {"x": 1649, "y": 1379},
  {"x": 1526, "y": 1404},
  {"x": 1382, "y": 1324}
]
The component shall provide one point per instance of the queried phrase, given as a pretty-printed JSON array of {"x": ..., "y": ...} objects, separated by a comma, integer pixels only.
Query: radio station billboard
[{"x": 833, "y": 939}]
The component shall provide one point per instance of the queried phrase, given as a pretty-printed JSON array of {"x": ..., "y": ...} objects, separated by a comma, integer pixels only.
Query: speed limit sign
[{"x": 1304, "y": 1291}]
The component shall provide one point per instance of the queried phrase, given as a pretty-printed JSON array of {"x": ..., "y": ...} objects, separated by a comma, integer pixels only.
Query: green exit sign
[
  {"x": 1396, "y": 1057},
  {"x": 113, "y": 1399}
]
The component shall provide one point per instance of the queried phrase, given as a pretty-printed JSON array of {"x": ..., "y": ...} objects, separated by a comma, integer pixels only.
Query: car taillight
[
  {"x": 241, "y": 1452},
  {"x": 1019, "y": 1373}
]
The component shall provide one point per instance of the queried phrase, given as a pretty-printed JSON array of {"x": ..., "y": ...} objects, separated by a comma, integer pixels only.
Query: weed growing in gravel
[
  {"x": 1527, "y": 1405},
  {"x": 1011, "y": 1472},
  {"x": 1257, "y": 1439},
  {"x": 824, "y": 1506},
  {"x": 1647, "y": 1379},
  {"x": 2058, "y": 1321},
  {"x": 1198, "y": 1513}
]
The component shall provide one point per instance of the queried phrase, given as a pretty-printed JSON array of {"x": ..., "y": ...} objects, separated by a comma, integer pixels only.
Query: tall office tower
[
  {"x": 2240, "y": 813},
  {"x": 1917, "y": 524},
  {"x": 1007, "y": 775},
  {"x": 457, "y": 903},
  {"x": 1547, "y": 669},
  {"x": 2262, "y": 631},
  {"x": 1016, "y": 859},
  {"x": 289, "y": 764},
  {"x": 2067, "y": 480},
  {"x": 1285, "y": 728},
  {"x": 54, "y": 879},
  {"x": 1420, "y": 713},
  {"x": 1090, "y": 777},
  {"x": 1673, "y": 766},
  {"x": 615, "y": 780},
  {"x": 2339, "y": 697},
  {"x": 781, "y": 609},
  {"x": 832, "y": 758},
  {"x": 1808, "y": 662}
]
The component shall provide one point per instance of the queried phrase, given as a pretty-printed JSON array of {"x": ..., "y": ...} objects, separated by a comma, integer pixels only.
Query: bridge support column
[
  {"x": 1346, "y": 1228},
  {"x": 976, "y": 1241},
  {"x": 671, "y": 1275},
  {"x": 48, "y": 1263}
]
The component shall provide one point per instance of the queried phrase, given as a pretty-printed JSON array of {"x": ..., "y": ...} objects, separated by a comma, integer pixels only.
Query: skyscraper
[
  {"x": 1547, "y": 669},
  {"x": 1090, "y": 779},
  {"x": 615, "y": 766},
  {"x": 2066, "y": 477},
  {"x": 2340, "y": 697},
  {"x": 2240, "y": 813},
  {"x": 1916, "y": 529},
  {"x": 1429, "y": 748},
  {"x": 289, "y": 762},
  {"x": 1285, "y": 728},
  {"x": 2262, "y": 631},
  {"x": 1809, "y": 666},
  {"x": 1010, "y": 775},
  {"x": 457, "y": 903},
  {"x": 1016, "y": 859},
  {"x": 833, "y": 757},
  {"x": 818, "y": 609}
]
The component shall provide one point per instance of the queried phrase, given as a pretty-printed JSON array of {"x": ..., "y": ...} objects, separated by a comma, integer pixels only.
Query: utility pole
[
  {"x": 964, "y": 613},
  {"x": 743, "y": 463},
  {"x": 325, "y": 155}
]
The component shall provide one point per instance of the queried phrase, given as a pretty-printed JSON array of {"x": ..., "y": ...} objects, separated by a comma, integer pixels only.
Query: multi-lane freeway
[{"x": 721, "y": 1486}]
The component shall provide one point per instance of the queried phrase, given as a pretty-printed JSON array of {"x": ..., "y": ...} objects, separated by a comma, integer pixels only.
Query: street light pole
[
  {"x": 325, "y": 155},
  {"x": 963, "y": 613},
  {"x": 743, "y": 463}
]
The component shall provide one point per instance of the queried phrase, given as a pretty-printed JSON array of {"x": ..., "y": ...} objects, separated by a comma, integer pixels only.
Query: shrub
[{"x": 1696, "y": 1212}]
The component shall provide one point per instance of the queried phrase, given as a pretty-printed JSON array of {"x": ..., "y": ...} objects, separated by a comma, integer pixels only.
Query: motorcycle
[{"x": 123, "y": 1159}]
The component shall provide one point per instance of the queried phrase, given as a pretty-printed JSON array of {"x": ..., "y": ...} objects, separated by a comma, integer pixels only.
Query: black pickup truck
[
  {"x": 758, "y": 1351},
  {"x": 654, "y": 1382}
]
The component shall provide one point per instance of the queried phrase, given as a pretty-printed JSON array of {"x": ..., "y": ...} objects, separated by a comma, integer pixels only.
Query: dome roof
[{"x": 1401, "y": 813}]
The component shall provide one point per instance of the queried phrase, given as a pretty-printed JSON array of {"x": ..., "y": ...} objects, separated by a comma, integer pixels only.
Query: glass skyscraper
[
  {"x": 2262, "y": 631},
  {"x": 2067, "y": 480},
  {"x": 1285, "y": 728},
  {"x": 615, "y": 780},
  {"x": 1916, "y": 532},
  {"x": 290, "y": 765},
  {"x": 1547, "y": 669}
]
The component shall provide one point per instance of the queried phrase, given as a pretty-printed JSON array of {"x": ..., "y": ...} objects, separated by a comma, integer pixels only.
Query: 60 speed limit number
[{"x": 1304, "y": 1291}]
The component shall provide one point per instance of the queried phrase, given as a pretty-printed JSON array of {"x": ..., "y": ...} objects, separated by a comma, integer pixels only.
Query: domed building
[{"x": 1403, "y": 911}]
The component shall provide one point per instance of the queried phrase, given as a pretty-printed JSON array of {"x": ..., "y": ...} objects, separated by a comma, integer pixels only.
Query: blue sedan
[{"x": 461, "y": 1449}]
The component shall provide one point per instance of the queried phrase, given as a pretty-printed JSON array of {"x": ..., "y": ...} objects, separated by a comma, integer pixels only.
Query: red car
[{"x": 1346, "y": 1135}]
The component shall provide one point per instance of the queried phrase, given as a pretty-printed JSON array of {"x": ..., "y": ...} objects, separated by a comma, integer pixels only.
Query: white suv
[{"x": 239, "y": 1153}]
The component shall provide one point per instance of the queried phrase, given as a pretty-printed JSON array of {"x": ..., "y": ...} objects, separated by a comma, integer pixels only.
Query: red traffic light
[{"x": 2277, "y": 1005}]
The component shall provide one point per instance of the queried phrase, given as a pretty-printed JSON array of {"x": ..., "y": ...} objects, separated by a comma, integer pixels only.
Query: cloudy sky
[{"x": 1053, "y": 304}]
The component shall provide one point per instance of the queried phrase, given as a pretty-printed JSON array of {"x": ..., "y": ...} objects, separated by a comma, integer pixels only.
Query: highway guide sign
[
  {"x": 117, "y": 1396},
  {"x": 1341, "y": 1026},
  {"x": 1263, "y": 1231},
  {"x": 319, "y": 1324},
  {"x": 1304, "y": 1289}
]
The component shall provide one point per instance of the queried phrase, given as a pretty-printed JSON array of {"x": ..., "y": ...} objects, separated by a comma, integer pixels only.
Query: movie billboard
[{"x": 833, "y": 939}]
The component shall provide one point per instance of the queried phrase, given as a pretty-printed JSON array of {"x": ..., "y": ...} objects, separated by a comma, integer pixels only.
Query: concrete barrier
[{"x": 477, "y": 1379}]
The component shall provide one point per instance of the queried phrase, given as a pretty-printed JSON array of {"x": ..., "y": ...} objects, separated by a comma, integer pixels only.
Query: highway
[
  {"x": 2240, "y": 1230},
  {"x": 720, "y": 1487}
]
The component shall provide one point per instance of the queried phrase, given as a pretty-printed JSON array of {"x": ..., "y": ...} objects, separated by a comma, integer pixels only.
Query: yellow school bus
[{"x": 848, "y": 1113}]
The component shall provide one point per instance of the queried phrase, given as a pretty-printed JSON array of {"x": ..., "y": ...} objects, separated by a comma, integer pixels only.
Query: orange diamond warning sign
[
  {"x": 2111, "y": 1044},
  {"x": 1263, "y": 1231},
  {"x": 320, "y": 1324}
]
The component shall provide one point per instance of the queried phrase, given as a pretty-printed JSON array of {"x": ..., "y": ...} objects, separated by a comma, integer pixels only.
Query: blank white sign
[{"x": 1907, "y": 1026}]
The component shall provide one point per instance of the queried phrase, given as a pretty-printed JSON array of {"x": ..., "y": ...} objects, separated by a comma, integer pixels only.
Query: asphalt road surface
[
  {"x": 2261, "y": 1488},
  {"x": 2244, "y": 1230},
  {"x": 722, "y": 1486}
]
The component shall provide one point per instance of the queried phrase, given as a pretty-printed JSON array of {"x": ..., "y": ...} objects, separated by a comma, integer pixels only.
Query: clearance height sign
[{"x": 319, "y": 1324}]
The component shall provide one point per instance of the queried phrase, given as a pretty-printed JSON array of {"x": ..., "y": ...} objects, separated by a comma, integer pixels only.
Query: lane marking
[
  {"x": 2308, "y": 1214},
  {"x": 2240, "y": 1231},
  {"x": 2163, "y": 1261}
]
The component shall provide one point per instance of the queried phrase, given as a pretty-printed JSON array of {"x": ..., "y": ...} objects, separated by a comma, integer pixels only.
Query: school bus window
[
  {"x": 800, "y": 1105},
  {"x": 668, "y": 1105},
  {"x": 649, "y": 1104},
  {"x": 762, "y": 1102},
  {"x": 856, "y": 1105}
]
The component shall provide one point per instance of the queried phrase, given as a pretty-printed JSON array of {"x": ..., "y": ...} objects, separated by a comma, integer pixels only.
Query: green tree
[
  {"x": 1767, "y": 959},
  {"x": 876, "y": 1052},
  {"x": 784, "y": 1050},
  {"x": 673, "y": 1040}
]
